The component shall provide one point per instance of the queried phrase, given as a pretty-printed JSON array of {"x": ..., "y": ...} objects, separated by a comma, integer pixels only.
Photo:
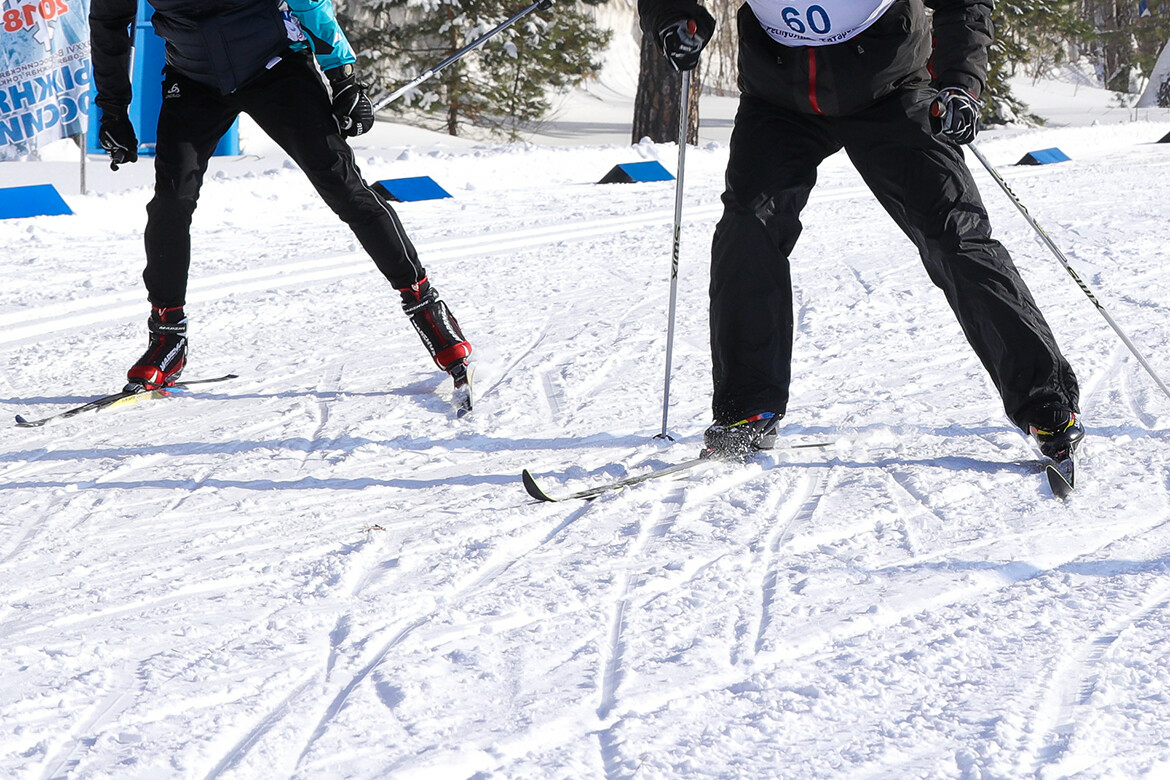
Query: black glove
[
  {"x": 683, "y": 39},
  {"x": 116, "y": 135},
  {"x": 954, "y": 114},
  {"x": 351, "y": 105}
]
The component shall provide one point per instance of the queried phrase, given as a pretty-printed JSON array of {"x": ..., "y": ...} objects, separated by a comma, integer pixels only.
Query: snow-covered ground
[{"x": 316, "y": 571}]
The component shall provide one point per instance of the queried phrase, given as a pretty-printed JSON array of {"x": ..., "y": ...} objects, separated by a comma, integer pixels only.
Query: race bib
[{"x": 816, "y": 22}]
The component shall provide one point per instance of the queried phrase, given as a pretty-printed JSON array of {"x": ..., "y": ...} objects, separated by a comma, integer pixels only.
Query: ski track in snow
[
  {"x": 804, "y": 503},
  {"x": 315, "y": 570},
  {"x": 1073, "y": 685}
]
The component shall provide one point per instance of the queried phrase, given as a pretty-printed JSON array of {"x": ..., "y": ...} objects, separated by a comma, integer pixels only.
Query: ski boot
[
  {"x": 440, "y": 334},
  {"x": 1057, "y": 431},
  {"x": 740, "y": 439},
  {"x": 166, "y": 354},
  {"x": 436, "y": 325}
]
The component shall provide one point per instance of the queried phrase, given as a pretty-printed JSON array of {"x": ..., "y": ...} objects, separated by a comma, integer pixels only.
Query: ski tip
[
  {"x": 1060, "y": 480},
  {"x": 533, "y": 488},
  {"x": 463, "y": 398},
  {"x": 22, "y": 422},
  {"x": 462, "y": 401}
]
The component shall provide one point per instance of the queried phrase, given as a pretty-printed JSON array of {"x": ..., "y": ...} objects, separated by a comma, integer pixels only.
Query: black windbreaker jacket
[
  {"x": 220, "y": 43},
  {"x": 895, "y": 52}
]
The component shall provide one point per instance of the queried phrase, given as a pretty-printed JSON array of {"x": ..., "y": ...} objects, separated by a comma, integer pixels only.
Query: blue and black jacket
[{"x": 220, "y": 43}]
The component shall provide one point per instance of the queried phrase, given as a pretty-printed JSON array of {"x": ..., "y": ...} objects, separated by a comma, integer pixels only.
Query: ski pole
[
  {"x": 1068, "y": 267},
  {"x": 683, "y": 126},
  {"x": 540, "y": 5}
]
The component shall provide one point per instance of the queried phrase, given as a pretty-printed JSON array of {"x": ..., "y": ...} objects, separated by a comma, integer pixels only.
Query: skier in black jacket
[
  {"x": 817, "y": 76},
  {"x": 224, "y": 57}
]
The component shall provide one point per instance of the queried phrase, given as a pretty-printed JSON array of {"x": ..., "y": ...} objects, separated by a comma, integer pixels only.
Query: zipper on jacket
[{"x": 812, "y": 80}]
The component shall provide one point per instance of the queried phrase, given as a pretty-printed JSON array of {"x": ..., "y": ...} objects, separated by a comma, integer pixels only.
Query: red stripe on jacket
[{"x": 812, "y": 80}]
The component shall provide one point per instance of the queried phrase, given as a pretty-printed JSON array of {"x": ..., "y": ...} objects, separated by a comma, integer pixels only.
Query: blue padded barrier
[
  {"x": 414, "y": 188},
  {"x": 32, "y": 201},
  {"x": 1043, "y": 157},
  {"x": 627, "y": 173}
]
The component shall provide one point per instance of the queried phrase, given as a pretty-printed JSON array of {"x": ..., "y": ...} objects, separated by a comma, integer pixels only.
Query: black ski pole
[
  {"x": 539, "y": 5},
  {"x": 684, "y": 114},
  {"x": 1068, "y": 267}
]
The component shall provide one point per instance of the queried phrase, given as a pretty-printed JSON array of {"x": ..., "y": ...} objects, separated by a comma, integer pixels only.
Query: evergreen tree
[
  {"x": 1151, "y": 34},
  {"x": 1128, "y": 34},
  {"x": 1121, "y": 37},
  {"x": 721, "y": 57},
  {"x": 1035, "y": 35},
  {"x": 505, "y": 86}
]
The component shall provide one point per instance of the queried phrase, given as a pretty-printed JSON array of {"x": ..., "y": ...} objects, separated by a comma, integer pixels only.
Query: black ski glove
[
  {"x": 116, "y": 135},
  {"x": 954, "y": 114},
  {"x": 682, "y": 39},
  {"x": 351, "y": 105}
]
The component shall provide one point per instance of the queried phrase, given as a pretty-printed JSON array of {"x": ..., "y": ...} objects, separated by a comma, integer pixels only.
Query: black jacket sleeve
[
  {"x": 962, "y": 37},
  {"x": 653, "y": 15},
  {"x": 111, "y": 40}
]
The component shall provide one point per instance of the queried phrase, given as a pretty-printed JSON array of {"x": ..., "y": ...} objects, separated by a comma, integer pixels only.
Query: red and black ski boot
[
  {"x": 440, "y": 334},
  {"x": 166, "y": 354},
  {"x": 436, "y": 326}
]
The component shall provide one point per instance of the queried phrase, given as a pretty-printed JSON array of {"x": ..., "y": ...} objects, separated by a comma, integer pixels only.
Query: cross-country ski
[
  {"x": 1061, "y": 476},
  {"x": 704, "y": 458},
  {"x": 539, "y": 494},
  {"x": 132, "y": 393}
]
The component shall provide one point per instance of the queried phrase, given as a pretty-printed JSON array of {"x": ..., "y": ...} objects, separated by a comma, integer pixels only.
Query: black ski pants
[
  {"x": 291, "y": 104},
  {"x": 925, "y": 185}
]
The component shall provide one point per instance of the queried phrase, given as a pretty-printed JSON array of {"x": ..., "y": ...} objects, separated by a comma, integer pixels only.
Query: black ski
[
  {"x": 588, "y": 494},
  {"x": 130, "y": 393},
  {"x": 1061, "y": 476}
]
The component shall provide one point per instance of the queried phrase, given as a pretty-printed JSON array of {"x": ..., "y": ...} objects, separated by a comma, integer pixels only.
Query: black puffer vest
[{"x": 220, "y": 43}]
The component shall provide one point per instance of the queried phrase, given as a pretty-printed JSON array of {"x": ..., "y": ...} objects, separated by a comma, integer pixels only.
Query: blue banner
[{"x": 44, "y": 73}]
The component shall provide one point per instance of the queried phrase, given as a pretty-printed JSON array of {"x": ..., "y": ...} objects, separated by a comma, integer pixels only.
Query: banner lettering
[{"x": 44, "y": 74}]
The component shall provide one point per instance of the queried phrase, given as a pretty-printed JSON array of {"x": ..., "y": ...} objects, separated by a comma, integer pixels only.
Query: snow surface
[{"x": 316, "y": 571}]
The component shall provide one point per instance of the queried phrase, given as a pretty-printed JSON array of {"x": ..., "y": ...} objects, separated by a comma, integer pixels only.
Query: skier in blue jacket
[{"x": 224, "y": 57}]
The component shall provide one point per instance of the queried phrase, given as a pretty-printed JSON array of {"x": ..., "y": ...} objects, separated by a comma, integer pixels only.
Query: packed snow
[{"x": 316, "y": 571}]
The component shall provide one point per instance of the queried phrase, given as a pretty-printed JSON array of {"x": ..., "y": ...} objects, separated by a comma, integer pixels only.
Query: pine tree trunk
[
  {"x": 657, "y": 102},
  {"x": 453, "y": 85},
  {"x": 1112, "y": 21}
]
